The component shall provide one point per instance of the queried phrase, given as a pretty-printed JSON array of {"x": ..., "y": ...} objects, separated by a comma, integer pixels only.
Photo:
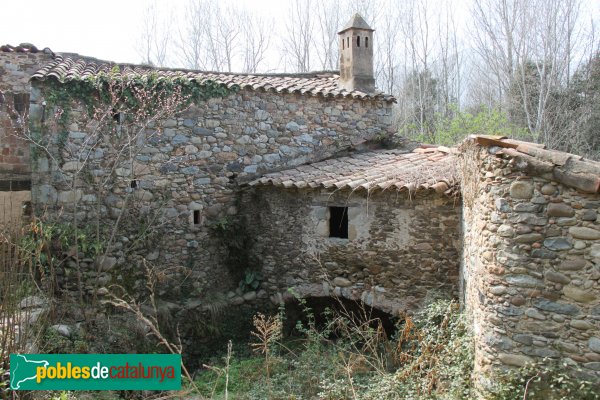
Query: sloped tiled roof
[
  {"x": 65, "y": 68},
  {"x": 422, "y": 169},
  {"x": 25, "y": 48},
  {"x": 22, "y": 48},
  {"x": 534, "y": 159}
]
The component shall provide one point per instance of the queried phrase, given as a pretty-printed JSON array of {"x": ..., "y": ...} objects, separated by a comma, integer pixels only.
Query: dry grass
[{"x": 15, "y": 280}]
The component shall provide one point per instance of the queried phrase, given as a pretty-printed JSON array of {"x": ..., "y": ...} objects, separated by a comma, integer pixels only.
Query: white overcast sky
[{"x": 105, "y": 29}]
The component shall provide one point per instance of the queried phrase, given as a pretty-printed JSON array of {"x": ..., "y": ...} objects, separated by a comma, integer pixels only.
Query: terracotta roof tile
[
  {"x": 24, "y": 48},
  {"x": 65, "y": 68},
  {"x": 423, "y": 169},
  {"x": 534, "y": 159}
]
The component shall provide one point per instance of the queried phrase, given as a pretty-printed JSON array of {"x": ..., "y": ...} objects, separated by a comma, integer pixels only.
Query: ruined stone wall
[
  {"x": 400, "y": 251},
  {"x": 531, "y": 273},
  {"x": 15, "y": 71},
  {"x": 180, "y": 185}
]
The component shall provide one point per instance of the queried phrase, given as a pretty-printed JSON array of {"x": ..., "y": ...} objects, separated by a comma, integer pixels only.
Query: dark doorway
[{"x": 324, "y": 309}]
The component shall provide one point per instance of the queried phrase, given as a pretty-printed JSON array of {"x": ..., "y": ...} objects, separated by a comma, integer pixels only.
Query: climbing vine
[{"x": 146, "y": 92}]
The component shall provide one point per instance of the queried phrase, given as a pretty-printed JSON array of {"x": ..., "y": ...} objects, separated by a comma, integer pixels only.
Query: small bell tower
[{"x": 356, "y": 56}]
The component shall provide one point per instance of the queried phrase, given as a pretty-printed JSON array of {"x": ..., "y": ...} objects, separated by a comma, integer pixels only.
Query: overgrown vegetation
[
  {"x": 547, "y": 380},
  {"x": 242, "y": 264},
  {"x": 351, "y": 356},
  {"x": 72, "y": 260},
  {"x": 452, "y": 128},
  {"x": 14, "y": 286},
  {"x": 146, "y": 92}
]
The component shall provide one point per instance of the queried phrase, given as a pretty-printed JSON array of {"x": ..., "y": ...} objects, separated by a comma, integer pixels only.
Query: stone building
[
  {"x": 288, "y": 175},
  {"x": 363, "y": 227},
  {"x": 17, "y": 65},
  {"x": 531, "y": 254}
]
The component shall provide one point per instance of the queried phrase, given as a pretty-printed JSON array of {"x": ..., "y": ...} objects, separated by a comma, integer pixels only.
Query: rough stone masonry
[
  {"x": 531, "y": 255},
  {"x": 188, "y": 175},
  {"x": 530, "y": 238}
]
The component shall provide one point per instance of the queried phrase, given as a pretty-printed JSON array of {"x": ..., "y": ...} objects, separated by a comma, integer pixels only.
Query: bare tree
[
  {"x": 256, "y": 41},
  {"x": 497, "y": 39},
  {"x": 329, "y": 22},
  {"x": 418, "y": 91},
  {"x": 299, "y": 35},
  {"x": 191, "y": 44},
  {"x": 526, "y": 52},
  {"x": 209, "y": 36},
  {"x": 371, "y": 10},
  {"x": 449, "y": 60},
  {"x": 155, "y": 38},
  {"x": 387, "y": 67}
]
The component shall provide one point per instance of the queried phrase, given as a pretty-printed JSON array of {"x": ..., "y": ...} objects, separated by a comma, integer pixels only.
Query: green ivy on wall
[{"x": 133, "y": 91}]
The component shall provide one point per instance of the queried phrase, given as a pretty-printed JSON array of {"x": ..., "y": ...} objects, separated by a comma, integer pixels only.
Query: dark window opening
[
  {"x": 118, "y": 117},
  {"x": 20, "y": 101},
  {"x": 133, "y": 184},
  {"x": 14, "y": 186},
  {"x": 366, "y": 42},
  {"x": 26, "y": 208},
  {"x": 348, "y": 42},
  {"x": 358, "y": 41},
  {"x": 338, "y": 222},
  {"x": 196, "y": 217},
  {"x": 343, "y": 44}
]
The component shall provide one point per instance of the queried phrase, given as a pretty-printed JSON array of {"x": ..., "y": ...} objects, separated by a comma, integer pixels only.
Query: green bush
[
  {"x": 546, "y": 380},
  {"x": 243, "y": 374},
  {"x": 451, "y": 130},
  {"x": 352, "y": 357}
]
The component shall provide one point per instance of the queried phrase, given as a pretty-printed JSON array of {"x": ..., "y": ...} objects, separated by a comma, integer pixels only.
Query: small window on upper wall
[
  {"x": 338, "y": 222},
  {"x": 196, "y": 217},
  {"x": 343, "y": 44},
  {"x": 21, "y": 101},
  {"x": 366, "y": 42},
  {"x": 358, "y": 41},
  {"x": 348, "y": 42},
  {"x": 14, "y": 186}
]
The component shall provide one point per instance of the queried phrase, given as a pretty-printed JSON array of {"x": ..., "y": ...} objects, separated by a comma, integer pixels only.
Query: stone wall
[
  {"x": 399, "y": 252},
  {"x": 15, "y": 71},
  {"x": 181, "y": 181},
  {"x": 531, "y": 273}
]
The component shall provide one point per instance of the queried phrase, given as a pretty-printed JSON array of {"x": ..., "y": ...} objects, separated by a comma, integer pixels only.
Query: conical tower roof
[{"x": 357, "y": 22}]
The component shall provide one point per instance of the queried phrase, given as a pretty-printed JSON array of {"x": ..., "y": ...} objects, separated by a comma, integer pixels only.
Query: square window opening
[
  {"x": 133, "y": 184},
  {"x": 14, "y": 186},
  {"x": 21, "y": 101},
  {"x": 338, "y": 222},
  {"x": 196, "y": 217}
]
